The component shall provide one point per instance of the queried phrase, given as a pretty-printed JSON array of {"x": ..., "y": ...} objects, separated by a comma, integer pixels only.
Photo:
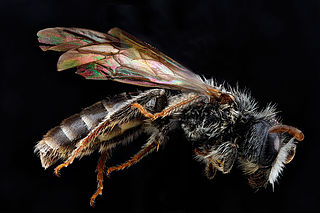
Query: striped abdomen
[{"x": 61, "y": 140}]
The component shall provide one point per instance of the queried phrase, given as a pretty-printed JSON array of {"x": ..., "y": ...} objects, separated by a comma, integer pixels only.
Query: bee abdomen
[
  {"x": 77, "y": 126},
  {"x": 61, "y": 140}
]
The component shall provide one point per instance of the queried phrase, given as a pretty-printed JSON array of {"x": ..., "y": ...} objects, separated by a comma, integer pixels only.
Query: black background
[{"x": 270, "y": 47}]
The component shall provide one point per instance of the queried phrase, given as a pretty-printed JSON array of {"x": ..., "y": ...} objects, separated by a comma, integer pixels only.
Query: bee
[{"x": 224, "y": 124}]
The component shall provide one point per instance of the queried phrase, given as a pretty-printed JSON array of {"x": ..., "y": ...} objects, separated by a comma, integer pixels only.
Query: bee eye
[
  {"x": 270, "y": 149},
  {"x": 276, "y": 141}
]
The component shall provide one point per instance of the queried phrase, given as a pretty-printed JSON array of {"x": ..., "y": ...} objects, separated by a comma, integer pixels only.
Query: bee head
[{"x": 266, "y": 151}]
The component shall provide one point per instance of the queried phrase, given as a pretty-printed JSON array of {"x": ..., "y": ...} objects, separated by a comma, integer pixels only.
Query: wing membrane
[{"x": 121, "y": 57}]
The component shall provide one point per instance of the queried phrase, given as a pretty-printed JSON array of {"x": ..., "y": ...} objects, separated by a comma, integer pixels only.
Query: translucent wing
[{"x": 120, "y": 57}]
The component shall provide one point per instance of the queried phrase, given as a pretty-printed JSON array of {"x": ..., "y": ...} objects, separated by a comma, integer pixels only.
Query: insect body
[{"x": 223, "y": 124}]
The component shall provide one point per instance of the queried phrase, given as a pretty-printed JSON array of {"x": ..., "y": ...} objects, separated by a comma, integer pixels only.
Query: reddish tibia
[
  {"x": 100, "y": 169},
  {"x": 136, "y": 158}
]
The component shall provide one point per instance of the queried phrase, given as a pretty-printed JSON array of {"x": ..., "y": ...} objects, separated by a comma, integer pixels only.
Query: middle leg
[{"x": 153, "y": 144}]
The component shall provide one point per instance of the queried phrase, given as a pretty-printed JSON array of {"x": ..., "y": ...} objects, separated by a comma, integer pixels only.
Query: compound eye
[
  {"x": 270, "y": 149},
  {"x": 274, "y": 138}
]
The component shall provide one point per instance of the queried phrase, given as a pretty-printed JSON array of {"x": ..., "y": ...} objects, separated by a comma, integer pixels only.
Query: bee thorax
[{"x": 203, "y": 122}]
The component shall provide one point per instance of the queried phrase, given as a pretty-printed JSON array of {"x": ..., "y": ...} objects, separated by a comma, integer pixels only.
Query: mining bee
[{"x": 224, "y": 124}]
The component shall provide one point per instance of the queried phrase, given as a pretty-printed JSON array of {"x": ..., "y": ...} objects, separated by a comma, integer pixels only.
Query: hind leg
[
  {"x": 168, "y": 110},
  {"x": 100, "y": 170}
]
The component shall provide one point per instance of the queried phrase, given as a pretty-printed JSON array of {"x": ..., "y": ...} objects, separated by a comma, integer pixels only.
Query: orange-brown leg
[
  {"x": 82, "y": 144},
  {"x": 148, "y": 148},
  {"x": 100, "y": 169},
  {"x": 166, "y": 111},
  {"x": 142, "y": 110}
]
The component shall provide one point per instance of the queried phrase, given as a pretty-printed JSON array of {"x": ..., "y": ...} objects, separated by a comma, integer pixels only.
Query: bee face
[
  {"x": 265, "y": 154},
  {"x": 262, "y": 147}
]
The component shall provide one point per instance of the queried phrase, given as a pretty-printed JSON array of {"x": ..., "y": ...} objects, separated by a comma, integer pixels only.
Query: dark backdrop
[{"x": 270, "y": 47}]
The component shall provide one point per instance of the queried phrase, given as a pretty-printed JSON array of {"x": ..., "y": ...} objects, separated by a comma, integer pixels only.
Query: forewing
[
  {"x": 64, "y": 39},
  {"x": 120, "y": 57}
]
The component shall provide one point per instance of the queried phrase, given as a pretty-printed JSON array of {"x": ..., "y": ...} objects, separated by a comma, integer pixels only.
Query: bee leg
[
  {"x": 211, "y": 170},
  {"x": 167, "y": 111},
  {"x": 142, "y": 110},
  {"x": 100, "y": 170},
  {"x": 149, "y": 147},
  {"x": 83, "y": 144}
]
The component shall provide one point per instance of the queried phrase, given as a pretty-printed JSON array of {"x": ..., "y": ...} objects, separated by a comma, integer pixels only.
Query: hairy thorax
[{"x": 207, "y": 121}]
